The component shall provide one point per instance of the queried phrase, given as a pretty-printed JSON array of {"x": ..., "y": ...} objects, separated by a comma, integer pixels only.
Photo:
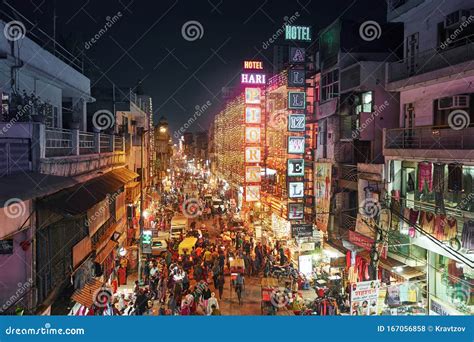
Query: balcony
[
  {"x": 432, "y": 65},
  {"x": 430, "y": 142},
  {"x": 56, "y": 151}
]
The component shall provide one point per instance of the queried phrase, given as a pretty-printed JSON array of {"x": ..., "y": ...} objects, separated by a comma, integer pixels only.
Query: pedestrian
[
  {"x": 220, "y": 284},
  {"x": 239, "y": 285},
  {"x": 212, "y": 303},
  {"x": 215, "y": 311}
]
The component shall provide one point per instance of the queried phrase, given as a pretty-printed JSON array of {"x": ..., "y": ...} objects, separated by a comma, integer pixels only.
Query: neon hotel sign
[{"x": 253, "y": 77}]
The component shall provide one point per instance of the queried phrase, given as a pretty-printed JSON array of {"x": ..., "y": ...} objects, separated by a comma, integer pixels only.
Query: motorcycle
[{"x": 288, "y": 271}]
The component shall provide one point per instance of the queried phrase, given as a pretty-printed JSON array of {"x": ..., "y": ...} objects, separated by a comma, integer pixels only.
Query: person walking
[
  {"x": 212, "y": 303},
  {"x": 239, "y": 286},
  {"x": 220, "y": 284}
]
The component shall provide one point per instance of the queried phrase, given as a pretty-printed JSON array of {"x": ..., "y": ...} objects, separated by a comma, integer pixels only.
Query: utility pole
[{"x": 142, "y": 205}]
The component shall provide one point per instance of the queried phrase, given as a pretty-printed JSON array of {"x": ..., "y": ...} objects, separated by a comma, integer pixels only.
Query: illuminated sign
[
  {"x": 295, "y": 211},
  {"x": 296, "y": 100},
  {"x": 296, "y": 145},
  {"x": 147, "y": 236},
  {"x": 296, "y": 189},
  {"x": 253, "y": 174},
  {"x": 252, "y": 95},
  {"x": 252, "y": 193},
  {"x": 252, "y": 78},
  {"x": 296, "y": 78},
  {"x": 296, "y": 122},
  {"x": 252, "y": 155},
  {"x": 301, "y": 33},
  {"x": 253, "y": 115},
  {"x": 297, "y": 55},
  {"x": 301, "y": 230},
  {"x": 295, "y": 167},
  {"x": 253, "y": 65},
  {"x": 252, "y": 135}
]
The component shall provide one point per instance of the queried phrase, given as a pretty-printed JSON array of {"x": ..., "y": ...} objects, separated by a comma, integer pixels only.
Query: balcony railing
[
  {"x": 432, "y": 60},
  {"x": 64, "y": 142},
  {"x": 430, "y": 137}
]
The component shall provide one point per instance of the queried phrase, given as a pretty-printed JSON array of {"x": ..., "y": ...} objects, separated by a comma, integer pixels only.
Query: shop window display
[{"x": 453, "y": 284}]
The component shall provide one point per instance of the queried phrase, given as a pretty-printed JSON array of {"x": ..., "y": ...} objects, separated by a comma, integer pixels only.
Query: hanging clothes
[
  {"x": 451, "y": 228},
  {"x": 413, "y": 216},
  {"x": 467, "y": 239},
  {"x": 427, "y": 220},
  {"x": 393, "y": 296},
  {"x": 425, "y": 176},
  {"x": 455, "y": 177},
  {"x": 385, "y": 219},
  {"x": 410, "y": 183},
  {"x": 440, "y": 222},
  {"x": 438, "y": 187},
  {"x": 396, "y": 210}
]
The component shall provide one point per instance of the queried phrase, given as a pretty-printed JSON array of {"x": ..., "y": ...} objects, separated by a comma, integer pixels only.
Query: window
[
  {"x": 365, "y": 103},
  {"x": 330, "y": 85}
]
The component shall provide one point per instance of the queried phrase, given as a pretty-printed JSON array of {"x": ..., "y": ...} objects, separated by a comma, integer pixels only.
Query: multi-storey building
[
  {"x": 63, "y": 212},
  {"x": 428, "y": 157}
]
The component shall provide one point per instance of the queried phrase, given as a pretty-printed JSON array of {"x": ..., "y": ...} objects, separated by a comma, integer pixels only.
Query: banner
[
  {"x": 364, "y": 298},
  {"x": 322, "y": 194}
]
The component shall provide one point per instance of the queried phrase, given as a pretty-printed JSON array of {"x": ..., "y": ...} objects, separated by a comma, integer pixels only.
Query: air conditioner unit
[
  {"x": 450, "y": 102},
  {"x": 456, "y": 18}
]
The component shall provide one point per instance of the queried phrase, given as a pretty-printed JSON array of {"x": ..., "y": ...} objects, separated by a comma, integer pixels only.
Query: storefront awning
[
  {"x": 105, "y": 252},
  {"x": 390, "y": 264},
  {"x": 80, "y": 198},
  {"x": 85, "y": 296}
]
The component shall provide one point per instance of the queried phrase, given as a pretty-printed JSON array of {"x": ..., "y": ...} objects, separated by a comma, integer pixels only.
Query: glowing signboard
[
  {"x": 252, "y": 78},
  {"x": 295, "y": 145},
  {"x": 252, "y": 193},
  {"x": 296, "y": 78},
  {"x": 252, "y": 155},
  {"x": 253, "y": 174},
  {"x": 297, "y": 55},
  {"x": 296, "y": 122},
  {"x": 253, "y": 65},
  {"x": 296, "y": 189},
  {"x": 300, "y": 33},
  {"x": 252, "y": 135},
  {"x": 295, "y": 167},
  {"x": 295, "y": 211},
  {"x": 296, "y": 100},
  {"x": 253, "y": 115},
  {"x": 252, "y": 95}
]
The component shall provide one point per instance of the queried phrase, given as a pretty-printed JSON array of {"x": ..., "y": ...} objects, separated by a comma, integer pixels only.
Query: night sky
[{"x": 146, "y": 42}]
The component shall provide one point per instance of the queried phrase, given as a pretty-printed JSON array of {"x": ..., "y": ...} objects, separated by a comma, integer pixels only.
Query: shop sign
[
  {"x": 252, "y": 78},
  {"x": 253, "y": 65},
  {"x": 253, "y": 174},
  {"x": 296, "y": 78},
  {"x": 301, "y": 230},
  {"x": 298, "y": 33},
  {"x": 295, "y": 211},
  {"x": 297, "y": 55},
  {"x": 252, "y": 154},
  {"x": 252, "y": 193},
  {"x": 252, "y": 135},
  {"x": 296, "y": 122},
  {"x": 295, "y": 167},
  {"x": 296, "y": 189},
  {"x": 439, "y": 309},
  {"x": 6, "y": 246},
  {"x": 252, "y": 95},
  {"x": 364, "y": 242},
  {"x": 147, "y": 241},
  {"x": 253, "y": 115},
  {"x": 296, "y": 100},
  {"x": 307, "y": 246},
  {"x": 305, "y": 264},
  {"x": 296, "y": 145},
  {"x": 364, "y": 297}
]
